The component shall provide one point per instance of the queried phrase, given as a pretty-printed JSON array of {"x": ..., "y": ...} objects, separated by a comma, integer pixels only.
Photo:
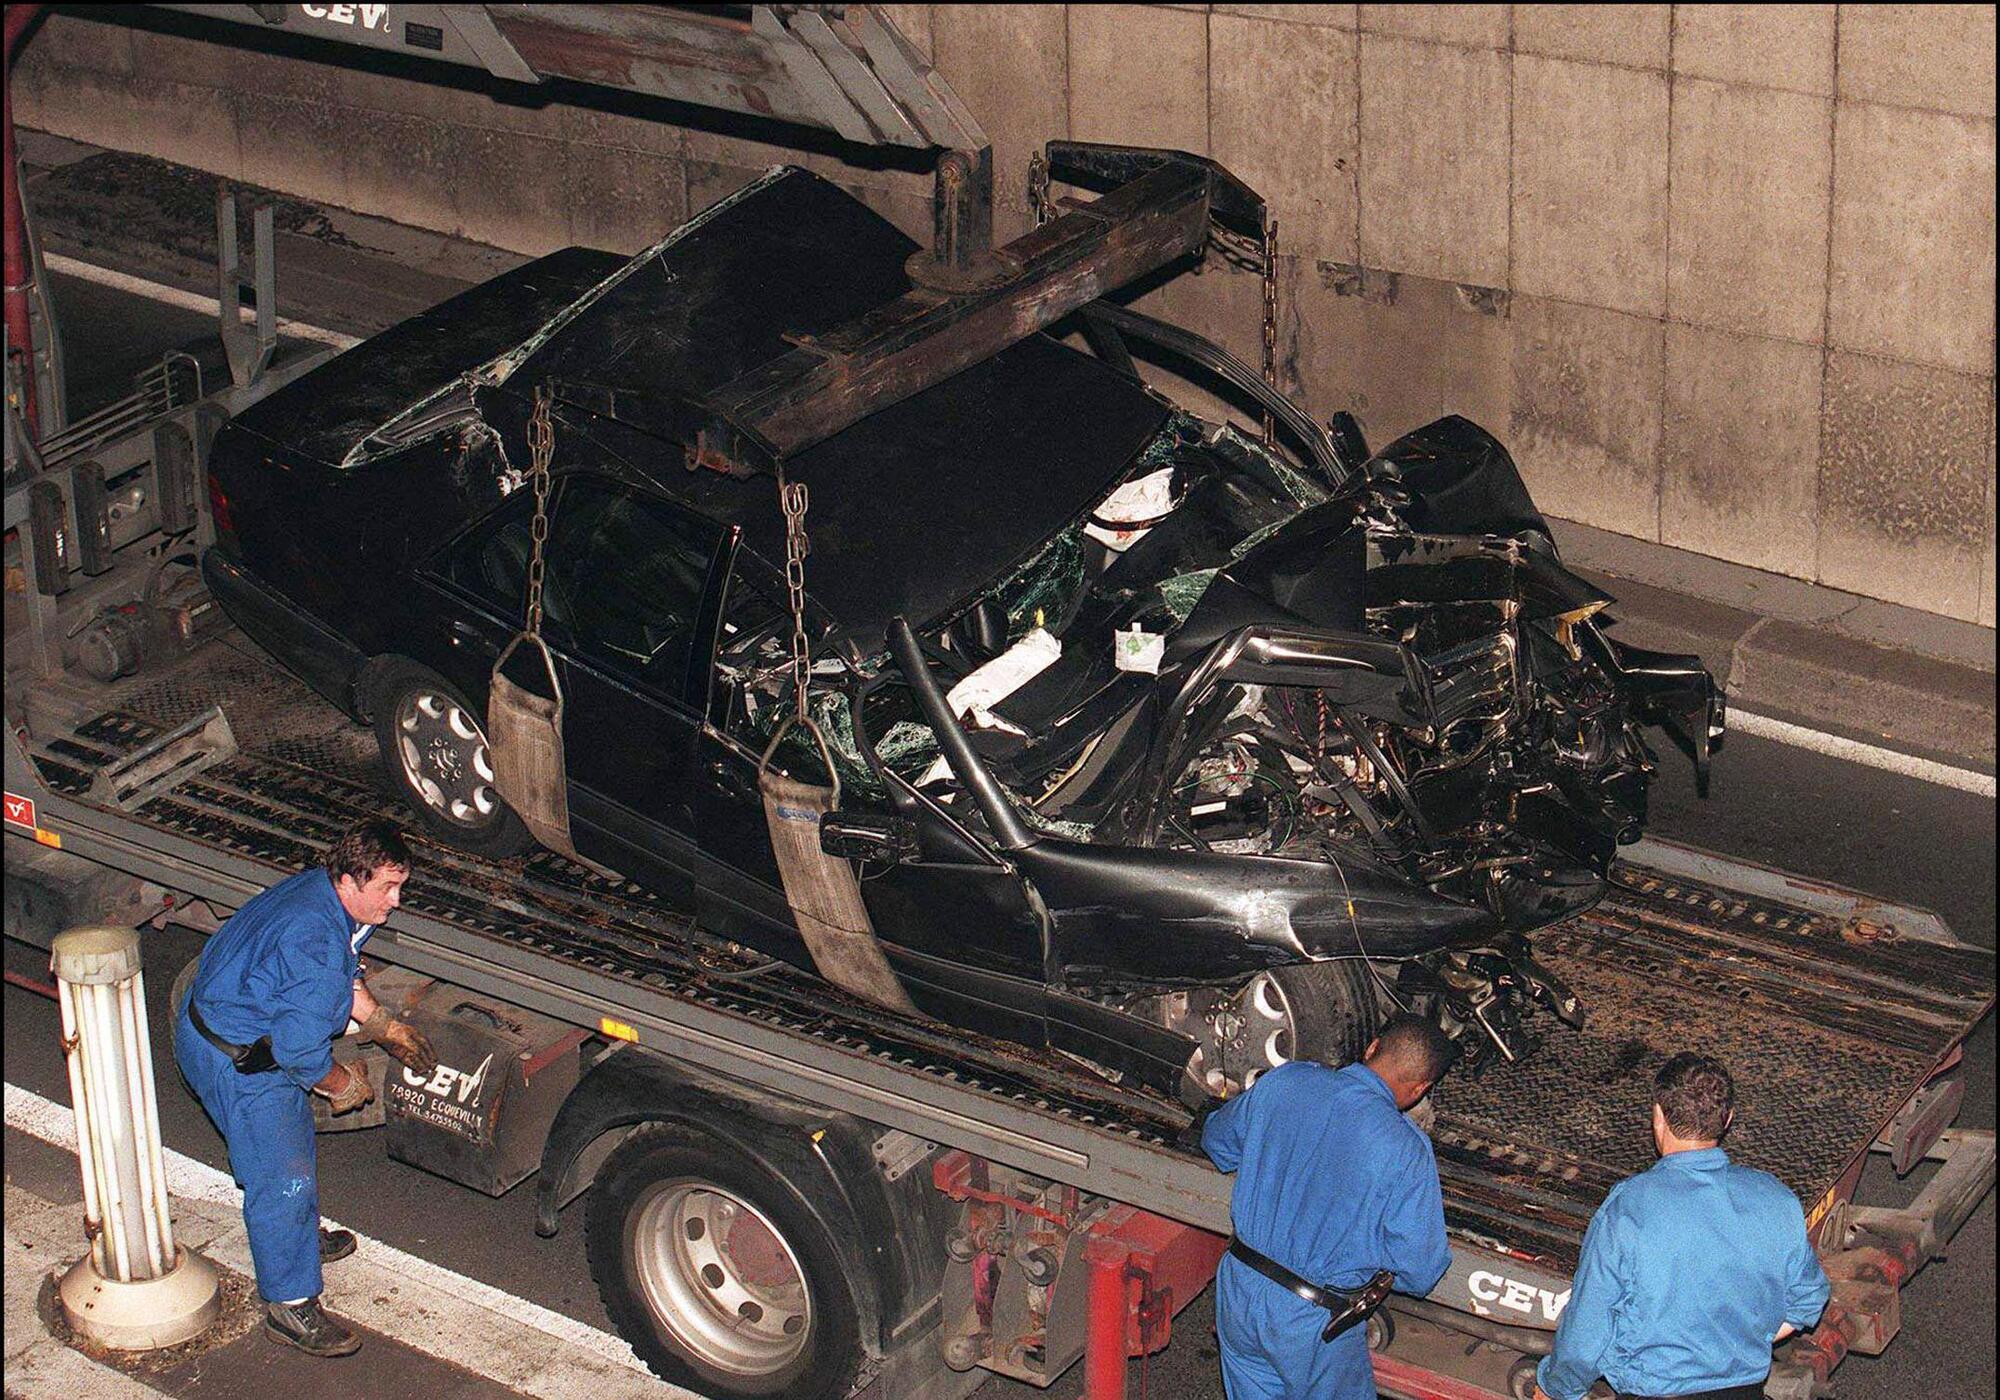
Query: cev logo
[
  {"x": 1511, "y": 1293},
  {"x": 447, "y": 1082},
  {"x": 367, "y": 16}
]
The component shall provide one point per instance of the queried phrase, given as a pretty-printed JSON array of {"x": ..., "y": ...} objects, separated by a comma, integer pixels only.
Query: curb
[{"x": 1806, "y": 655}]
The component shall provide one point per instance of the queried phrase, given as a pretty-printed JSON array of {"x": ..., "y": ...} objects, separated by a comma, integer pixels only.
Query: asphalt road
[{"x": 1894, "y": 837}]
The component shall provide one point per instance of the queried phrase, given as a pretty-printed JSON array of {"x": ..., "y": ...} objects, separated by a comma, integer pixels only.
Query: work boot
[
  {"x": 335, "y": 1244},
  {"x": 310, "y": 1328}
]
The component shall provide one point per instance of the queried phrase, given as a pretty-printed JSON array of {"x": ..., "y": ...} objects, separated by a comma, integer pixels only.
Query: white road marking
[
  {"x": 443, "y": 1314},
  {"x": 186, "y": 301},
  {"x": 1869, "y": 755}
]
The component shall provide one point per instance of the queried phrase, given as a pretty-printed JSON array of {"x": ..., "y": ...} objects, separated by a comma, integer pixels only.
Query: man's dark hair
[
  {"x": 1697, "y": 1095},
  {"x": 1414, "y": 1048},
  {"x": 365, "y": 848}
]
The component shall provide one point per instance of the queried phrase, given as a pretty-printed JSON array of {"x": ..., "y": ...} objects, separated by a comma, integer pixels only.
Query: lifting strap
[
  {"x": 523, "y": 729},
  {"x": 822, "y": 890}
]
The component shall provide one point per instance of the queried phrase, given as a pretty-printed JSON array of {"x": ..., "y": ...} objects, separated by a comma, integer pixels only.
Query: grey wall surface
[{"x": 1721, "y": 276}]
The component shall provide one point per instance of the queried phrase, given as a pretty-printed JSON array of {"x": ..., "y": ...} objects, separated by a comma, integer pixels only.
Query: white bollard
[{"x": 135, "y": 1290}]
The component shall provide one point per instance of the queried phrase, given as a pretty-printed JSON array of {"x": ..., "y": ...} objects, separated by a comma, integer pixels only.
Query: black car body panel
[
  {"x": 353, "y": 395},
  {"x": 1381, "y": 728},
  {"x": 318, "y": 655}
]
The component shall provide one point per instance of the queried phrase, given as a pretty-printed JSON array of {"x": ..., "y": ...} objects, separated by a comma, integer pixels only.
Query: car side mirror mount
[{"x": 867, "y": 836}]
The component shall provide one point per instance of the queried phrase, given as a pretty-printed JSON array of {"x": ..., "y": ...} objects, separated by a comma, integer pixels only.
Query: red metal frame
[
  {"x": 20, "y": 336},
  {"x": 1144, "y": 1268}
]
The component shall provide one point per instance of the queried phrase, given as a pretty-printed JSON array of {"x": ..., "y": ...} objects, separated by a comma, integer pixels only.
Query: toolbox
[{"x": 480, "y": 1118}]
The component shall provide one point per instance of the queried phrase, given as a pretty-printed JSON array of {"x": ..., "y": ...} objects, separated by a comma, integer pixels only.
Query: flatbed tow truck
[
  {"x": 209, "y": 778},
  {"x": 974, "y": 1204}
]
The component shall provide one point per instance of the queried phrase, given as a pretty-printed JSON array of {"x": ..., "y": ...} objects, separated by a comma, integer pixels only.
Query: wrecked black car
[{"x": 1175, "y": 745}]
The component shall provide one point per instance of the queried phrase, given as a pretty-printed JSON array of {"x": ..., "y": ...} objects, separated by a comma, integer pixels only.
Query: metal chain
[
  {"x": 792, "y": 494},
  {"x": 1038, "y": 189},
  {"x": 1270, "y": 321},
  {"x": 542, "y": 447},
  {"x": 1234, "y": 249}
]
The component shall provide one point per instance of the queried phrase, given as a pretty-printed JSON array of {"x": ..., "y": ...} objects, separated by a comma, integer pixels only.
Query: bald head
[{"x": 1410, "y": 1055}]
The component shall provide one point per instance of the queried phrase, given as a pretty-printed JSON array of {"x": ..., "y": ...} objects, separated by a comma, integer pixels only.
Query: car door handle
[
  {"x": 462, "y": 632},
  {"x": 729, "y": 778}
]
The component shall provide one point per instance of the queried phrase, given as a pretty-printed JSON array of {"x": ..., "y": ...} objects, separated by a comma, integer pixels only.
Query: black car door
[
  {"x": 958, "y": 927},
  {"x": 625, "y": 607},
  {"x": 625, "y": 604},
  {"x": 473, "y": 599},
  {"x": 754, "y": 638}
]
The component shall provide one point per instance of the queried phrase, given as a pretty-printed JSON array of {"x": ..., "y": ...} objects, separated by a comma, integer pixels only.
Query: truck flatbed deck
[{"x": 1839, "y": 1008}]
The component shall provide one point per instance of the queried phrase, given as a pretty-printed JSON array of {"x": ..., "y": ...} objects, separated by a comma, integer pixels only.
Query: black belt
[
  {"x": 248, "y": 1059},
  {"x": 1345, "y": 1308}
]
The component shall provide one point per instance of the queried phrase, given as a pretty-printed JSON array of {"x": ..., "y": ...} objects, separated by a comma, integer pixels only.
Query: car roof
[
  {"x": 915, "y": 509},
  {"x": 323, "y": 415},
  {"x": 918, "y": 509}
]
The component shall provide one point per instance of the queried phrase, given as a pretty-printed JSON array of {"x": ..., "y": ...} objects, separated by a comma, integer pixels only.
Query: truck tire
[
  {"x": 435, "y": 757},
  {"x": 717, "y": 1272}
]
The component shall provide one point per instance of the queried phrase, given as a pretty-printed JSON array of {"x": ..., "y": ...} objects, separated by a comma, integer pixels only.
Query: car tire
[
  {"x": 435, "y": 757},
  {"x": 717, "y": 1273},
  {"x": 1331, "y": 1007}
]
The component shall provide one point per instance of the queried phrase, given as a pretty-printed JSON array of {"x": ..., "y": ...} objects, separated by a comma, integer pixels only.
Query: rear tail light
[{"x": 218, "y": 506}]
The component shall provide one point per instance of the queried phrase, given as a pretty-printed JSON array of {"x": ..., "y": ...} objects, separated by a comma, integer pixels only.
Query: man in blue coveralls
[
  {"x": 253, "y": 1035},
  {"x": 1333, "y": 1183},
  {"x": 1691, "y": 1270}
]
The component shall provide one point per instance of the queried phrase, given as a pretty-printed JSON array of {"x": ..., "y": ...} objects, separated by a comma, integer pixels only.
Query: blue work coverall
[
  {"x": 284, "y": 966},
  {"x": 1687, "y": 1271},
  {"x": 1334, "y": 1183}
]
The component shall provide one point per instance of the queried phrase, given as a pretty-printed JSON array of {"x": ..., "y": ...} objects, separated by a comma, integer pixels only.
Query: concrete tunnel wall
[{"x": 1720, "y": 276}]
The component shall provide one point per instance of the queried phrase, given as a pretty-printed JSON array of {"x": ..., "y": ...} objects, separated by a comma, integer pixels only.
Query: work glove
[
  {"x": 345, "y": 1088},
  {"x": 401, "y": 1039}
]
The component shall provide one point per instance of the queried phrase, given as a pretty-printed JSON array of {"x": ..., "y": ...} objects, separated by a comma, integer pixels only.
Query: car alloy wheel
[
  {"x": 721, "y": 1278},
  {"x": 1250, "y": 1033},
  {"x": 445, "y": 758},
  {"x": 1313, "y": 1011}
]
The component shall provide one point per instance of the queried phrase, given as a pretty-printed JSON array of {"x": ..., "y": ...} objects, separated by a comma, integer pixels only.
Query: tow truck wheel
[
  {"x": 436, "y": 758},
  {"x": 717, "y": 1272}
]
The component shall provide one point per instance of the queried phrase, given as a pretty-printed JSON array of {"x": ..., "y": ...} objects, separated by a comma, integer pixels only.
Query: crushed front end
[{"x": 1289, "y": 755}]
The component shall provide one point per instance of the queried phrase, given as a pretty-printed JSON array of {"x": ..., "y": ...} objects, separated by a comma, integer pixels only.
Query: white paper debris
[
  {"x": 1001, "y": 677},
  {"x": 1138, "y": 650},
  {"x": 1146, "y": 499}
]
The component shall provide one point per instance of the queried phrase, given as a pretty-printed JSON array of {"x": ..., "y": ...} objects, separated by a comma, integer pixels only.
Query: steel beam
[
  {"x": 965, "y": 307},
  {"x": 840, "y": 68}
]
